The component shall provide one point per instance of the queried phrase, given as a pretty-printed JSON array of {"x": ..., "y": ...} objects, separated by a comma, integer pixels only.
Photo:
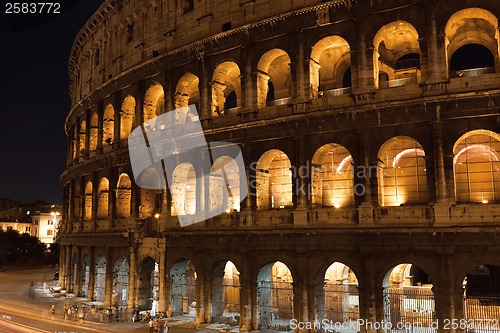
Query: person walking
[
  {"x": 151, "y": 325},
  {"x": 156, "y": 327},
  {"x": 52, "y": 311}
]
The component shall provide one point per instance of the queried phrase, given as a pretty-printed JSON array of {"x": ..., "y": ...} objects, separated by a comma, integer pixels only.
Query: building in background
[
  {"x": 45, "y": 225},
  {"x": 370, "y": 132}
]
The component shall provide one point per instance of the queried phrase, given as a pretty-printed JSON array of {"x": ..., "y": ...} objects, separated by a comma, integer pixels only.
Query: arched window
[
  {"x": 88, "y": 201},
  {"x": 330, "y": 59},
  {"x": 151, "y": 185},
  {"x": 123, "y": 196},
  {"x": 471, "y": 40},
  {"x": 332, "y": 177},
  {"x": 402, "y": 173},
  {"x": 187, "y": 92},
  {"x": 94, "y": 132},
  {"x": 82, "y": 137},
  {"x": 225, "y": 185},
  {"x": 127, "y": 113},
  {"x": 183, "y": 190},
  {"x": 226, "y": 87},
  {"x": 396, "y": 54},
  {"x": 274, "y": 180},
  {"x": 274, "y": 67},
  {"x": 477, "y": 167},
  {"x": 103, "y": 198},
  {"x": 108, "y": 126},
  {"x": 154, "y": 102}
]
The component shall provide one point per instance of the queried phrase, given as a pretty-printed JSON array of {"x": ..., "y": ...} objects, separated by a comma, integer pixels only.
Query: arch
[
  {"x": 127, "y": 115},
  {"x": 85, "y": 278},
  {"x": 94, "y": 132},
  {"x": 183, "y": 190},
  {"x": 332, "y": 177},
  {"x": 226, "y": 82},
  {"x": 408, "y": 297},
  {"x": 402, "y": 172},
  {"x": 274, "y": 67},
  {"x": 103, "y": 198},
  {"x": 182, "y": 288},
  {"x": 88, "y": 201},
  {"x": 225, "y": 293},
  {"x": 149, "y": 284},
  {"x": 77, "y": 202},
  {"x": 274, "y": 297},
  {"x": 154, "y": 102},
  {"x": 476, "y": 166},
  {"x": 472, "y": 26},
  {"x": 82, "y": 137},
  {"x": 391, "y": 42},
  {"x": 108, "y": 126},
  {"x": 100, "y": 279},
  {"x": 151, "y": 184},
  {"x": 225, "y": 174},
  {"x": 123, "y": 195},
  {"x": 187, "y": 92},
  {"x": 274, "y": 180},
  {"x": 121, "y": 272},
  {"x": 336, "y": 293},
  {"x": 329, "y": 56},
  {"x": 482, "y": 296},
  {"x": 471, "y": 60}
]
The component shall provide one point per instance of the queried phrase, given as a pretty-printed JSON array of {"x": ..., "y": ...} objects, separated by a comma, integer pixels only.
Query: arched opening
[
  {"x": 477, "y": 167},
  {"x": 471, "y": 40},
  {"x": 396, "y": 54},
  {"x": 329, "y": 62},
  {"x": 74, "y": 143},
  {"x": 187, "y": 92},
  {"x": 120, "y": 282},
  {"x": 274, "y": 180},
  {"x": 108, "y": 126},
  {"x": 347, "y": 78},
  {"x": 103, "y": 199},
  {"x": 182, "y": 289},
  {"x": 77, "y": 202},
  {"x": 275, "y": 297},
  {"x": 149, "y": 285},
  {"x": 127, "y": 114},
  {"x": 151, "y": 185},
  {"x": 402, "y": 173},
  {"x": 274, "y": 67},
  {"x": 332, "y": 177},
  {"x": 82, "y": 137},
  {"x": 482, "y": 297},
  {"x": 226, "y": 88},
  {"x": 183, "y": 190},
  {"x": 123, "y": 196},
  {"x": 74, "y": 266},
  {"x": 88, "y": 201},
  {"x": 154, "y": 102},
  {"x": 337, "y": 298},
  {"x": 100, "y": 279},
  {"x": 224, "y": 185},
  {"x": 225, "y": 305},
  {"x": 94, "y": 132},
  {"x": 85, "y": 275},
  {"x": 408, "y": 297}
]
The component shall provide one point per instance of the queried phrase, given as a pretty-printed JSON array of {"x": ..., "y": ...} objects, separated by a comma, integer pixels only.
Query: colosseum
[{"x": 370, "y": 134}]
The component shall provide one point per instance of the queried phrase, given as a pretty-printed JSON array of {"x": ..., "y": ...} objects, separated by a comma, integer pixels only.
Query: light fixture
[{"x": 157, "y": 216}]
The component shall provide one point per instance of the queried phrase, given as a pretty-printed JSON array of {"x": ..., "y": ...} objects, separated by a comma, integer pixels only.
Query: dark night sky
[{"x": 35, "y": 101}]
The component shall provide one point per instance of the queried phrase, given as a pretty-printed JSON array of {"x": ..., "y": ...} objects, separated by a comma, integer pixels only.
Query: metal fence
[
  {"x": 482, "y": 312},
  {"x": 275, "y": 305},
  {"x": 341, "y": 302}
]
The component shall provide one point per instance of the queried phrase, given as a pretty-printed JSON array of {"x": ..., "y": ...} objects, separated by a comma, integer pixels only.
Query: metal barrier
[{"x": 482, "y": 312}]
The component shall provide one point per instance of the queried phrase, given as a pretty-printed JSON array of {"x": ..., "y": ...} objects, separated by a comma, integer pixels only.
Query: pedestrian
[
  {"x": 156, "y": 327},
  {"x": 151, "y": 325},
  {"x": 162, "y": 327},
  {"x": 53, "y": 311}
]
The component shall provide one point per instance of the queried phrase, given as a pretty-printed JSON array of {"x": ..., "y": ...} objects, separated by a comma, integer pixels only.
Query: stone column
[
  {"x": 78, "y": 272},
  {"x": 300, "y": 73},
  {"x": 369, "y": 183},
  {"x": 249, "y": 82},
  {"x": 69, "y": 271},
  {"x": 300, "y": 298},
  {"x": 62, "y": 265},
  {"x": 162, "y": 300},
  {"x": 218, "y": 98},
  {"x": 204, "y": 111},
  {"x": 90, "y": 292},
  {"x": 131, "y": 278},
  {"x": 366, "y": 72},
  {"x": 435, "y": 65},
  {"x": 200, "y": 298},
  {"x": 108, "y": 290},
  {"x": 245, "y": 297},
  {"x": 449, "y": 305}
]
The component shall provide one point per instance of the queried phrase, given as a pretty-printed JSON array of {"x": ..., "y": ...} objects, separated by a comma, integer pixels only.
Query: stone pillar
[
  {"x": 131, "y": 278},
  {"x": 62, "y": 265},
  {"x": 204, "y": 111},
  {"x": 245, "y": 297},
  {"x": 262, "y": 89},
  {"x": 369, "y": 183},
  {"x": 441, "y": 191},
  {"x": 434, "y": 67},
  {"x": 113, "y": 182},
  {"x": 218, "y": 99},
  {"x": 300, "y": 73},
  {"x": 200, "y": 298},
  {"x": 449, "y": 305},
  {"x": 369, "y": 308},
  {"x": 90, "y": 292},
  {"x": 69, "y": 269},
  {"x": 249, "y": 83},
  {"x": 162, "y": 300},
  {"x": 108, "y": 290},
  {"x": 366, "y": 72},
  {"x": 301, "y": 183},
  {"x": 78, "y": 272},
  {"x": 300, "y": 298}
]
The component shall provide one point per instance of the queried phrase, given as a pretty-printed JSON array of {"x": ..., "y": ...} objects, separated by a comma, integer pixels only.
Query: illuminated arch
[
  {"x": 123, "y": 196},
  {"x": 154, "y": 102},
  {"x": 149, "y": 285},
  {"x": 151, "y": 185},
  {"x": 82, "y": 137},
  {"x": 121, "y": 273},
  {"x": 225, "y": 83},
  {"x": 127, "y": 114},
  {"x": 183, "y": 190},
  {"x": 332, "y": 177},
  {"x": 330, "y": 58},
  {"x": 274, "y": 76},
  {"x": 100, "y": 279},
  {"x": 103, "y": 198},
  {"x": 187, "y": 92},
  {"x": 88, "y": 201},
  {"x": 94, "y": 132},
  {"x": 477, "y": 167},
  {"x": 182, "y": 286},
  {"x": 274, "y": 180},
  {"x": 472, "y": 26},
  {"x": 402, "y": 172},
  {"x": 392, "y": 42},
  {"x": 108, "y": 126},
  {"x": 225, "y": 293},
  {"x": 225, "y": 174}
]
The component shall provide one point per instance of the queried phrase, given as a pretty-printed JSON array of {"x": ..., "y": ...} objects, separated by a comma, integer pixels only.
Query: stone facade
[{"x": 367, "y": 142}]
